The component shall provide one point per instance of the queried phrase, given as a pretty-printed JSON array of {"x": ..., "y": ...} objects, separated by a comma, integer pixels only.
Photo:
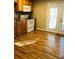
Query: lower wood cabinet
[
  {"x": 20, "y": 28},
  {"x": 24, "y": 27},
  {"x": 15, "y": 31}
]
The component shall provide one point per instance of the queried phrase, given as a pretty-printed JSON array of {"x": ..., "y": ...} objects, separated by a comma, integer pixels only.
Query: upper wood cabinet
[
  {"x": 25, "y": 2},
  {"x": 15, "y": 1},
  {"x": 21, "y": 3}
]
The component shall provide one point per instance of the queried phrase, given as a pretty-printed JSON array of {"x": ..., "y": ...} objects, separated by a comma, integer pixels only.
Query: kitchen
[
  {"x": 32, "y": 36},
  {"x": 23, "y": 19}
]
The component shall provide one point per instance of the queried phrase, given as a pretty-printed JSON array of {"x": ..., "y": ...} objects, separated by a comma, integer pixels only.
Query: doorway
[{"x": 55, "y": 17}]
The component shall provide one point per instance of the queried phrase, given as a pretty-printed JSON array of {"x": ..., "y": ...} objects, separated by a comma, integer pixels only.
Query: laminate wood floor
[{"x": 47, "y": 46}]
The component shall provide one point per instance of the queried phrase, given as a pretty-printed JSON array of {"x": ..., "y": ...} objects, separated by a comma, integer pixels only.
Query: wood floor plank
[{"x": 47, "y": 46}]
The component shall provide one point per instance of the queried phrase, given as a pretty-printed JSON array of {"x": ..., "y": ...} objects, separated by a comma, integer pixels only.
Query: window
[{"x": 53, "y": 16}]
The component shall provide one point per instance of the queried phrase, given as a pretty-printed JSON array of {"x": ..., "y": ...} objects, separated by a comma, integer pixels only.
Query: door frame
[
  {"x": 61, "y": 20},
  {"x": 48, "y": 6}
]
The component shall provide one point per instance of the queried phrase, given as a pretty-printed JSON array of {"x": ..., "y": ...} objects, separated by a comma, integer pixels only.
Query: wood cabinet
[
  {"x": 15, "y": 1},
  {"x": 21, "y": 3},
  {"x": 24, "y": 27},
  {"x": 26, "y": 2},
  {"x": 20, "y": 28},
  {"x": 15, "y": 31}
]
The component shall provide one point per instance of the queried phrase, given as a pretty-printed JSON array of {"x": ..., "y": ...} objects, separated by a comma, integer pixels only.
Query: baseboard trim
[
  {"x": 49, "y": 31},
  {"x": 41, "y": 29}
]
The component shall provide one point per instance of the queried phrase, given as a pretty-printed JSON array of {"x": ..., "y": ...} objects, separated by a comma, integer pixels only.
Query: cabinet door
[
  {"x": 20, "y": 5},
  {"x": 15, "y": 30},
  {"x": 26, "y": 2},
  {"x": 24, "y": 27},
  {"x": 15, "y": 1},
  {"x": 19, "y": 28}
]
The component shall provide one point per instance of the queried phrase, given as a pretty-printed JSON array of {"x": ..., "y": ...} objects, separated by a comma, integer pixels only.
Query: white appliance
[
  {"x": 23, "y": 17},
  {"x": 26, "y": 8},
  {"x": 30, "y": 25}
]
